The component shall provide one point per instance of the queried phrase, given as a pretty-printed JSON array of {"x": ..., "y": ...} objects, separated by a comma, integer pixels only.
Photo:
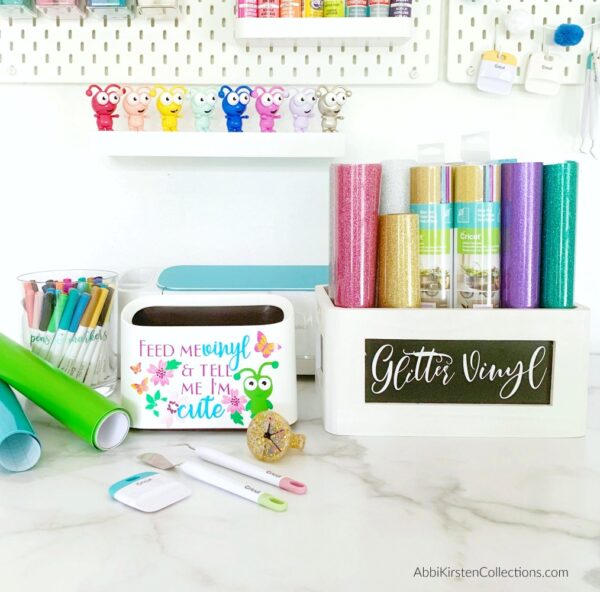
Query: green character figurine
[{"x": 258, "y": 388}]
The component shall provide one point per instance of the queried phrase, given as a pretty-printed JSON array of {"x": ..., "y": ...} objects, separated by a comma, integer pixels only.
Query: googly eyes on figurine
[
  {"x": 268, "y": 104},
  {"x": 234, "y": 104},
  {"x": 330, "y": 105},
  {"x": 302, "y": 104},
  {"x": 169, "y": 104},
  {"x": 135, "y": 105},
  {"x": 203, "y": 102},
  {"x": 104, "y": 104}
]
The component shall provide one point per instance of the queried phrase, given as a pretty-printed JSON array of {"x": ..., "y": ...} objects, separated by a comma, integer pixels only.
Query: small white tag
[
  {"x": 475, "y": 148},
  {"x": 497, "y": 72},
  {"x": 544, "y": 73}
]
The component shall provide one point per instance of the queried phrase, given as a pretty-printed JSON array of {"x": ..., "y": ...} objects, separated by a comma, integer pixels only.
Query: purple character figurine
[
  {"x": 268, "y": 104},
  {"x": 302, "y": 104}
]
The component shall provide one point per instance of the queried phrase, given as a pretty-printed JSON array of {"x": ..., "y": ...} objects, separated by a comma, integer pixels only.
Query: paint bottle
[
  {"x": 356, "y": 8},
  {"x": 402, "y": 8},
  {"x": 477, "y": 236},
  {"x": 313, "y": 8},
  {"x": 379, "y": 8},
  {"x": 290, "y": 9},
  {"x": 268, "y": 8},
  {"x": 247, "y": 9},
  {"x": 334, "y": 8},
  {"x": 431, "y": 199}
]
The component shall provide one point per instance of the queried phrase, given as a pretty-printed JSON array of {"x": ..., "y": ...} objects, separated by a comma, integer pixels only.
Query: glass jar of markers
[{"x": 69, "y": 319}]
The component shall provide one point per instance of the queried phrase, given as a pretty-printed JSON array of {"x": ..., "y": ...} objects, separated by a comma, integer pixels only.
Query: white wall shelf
[
  {"x": 352, "y": 31},
  {"x": 220, "y": 144}
]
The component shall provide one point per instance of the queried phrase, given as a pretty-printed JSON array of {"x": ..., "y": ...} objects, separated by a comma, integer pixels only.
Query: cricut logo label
[{"x": 490, "y": 372}]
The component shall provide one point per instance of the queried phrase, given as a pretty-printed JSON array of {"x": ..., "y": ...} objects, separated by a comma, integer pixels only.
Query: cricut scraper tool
[{"x": 198, "y": 471}]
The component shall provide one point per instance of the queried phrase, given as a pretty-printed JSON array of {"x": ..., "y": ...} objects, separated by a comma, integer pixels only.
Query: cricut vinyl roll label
[{"x": 466, "y": 372}]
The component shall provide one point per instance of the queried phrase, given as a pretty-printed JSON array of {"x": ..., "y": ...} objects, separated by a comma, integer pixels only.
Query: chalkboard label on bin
[{"x": 467, "y": 372}]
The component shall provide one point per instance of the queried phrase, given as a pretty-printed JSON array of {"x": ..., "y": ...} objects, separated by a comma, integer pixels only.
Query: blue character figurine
[
  {"x": 235, "y": 103},
  {"x": 203, "y": 102}
]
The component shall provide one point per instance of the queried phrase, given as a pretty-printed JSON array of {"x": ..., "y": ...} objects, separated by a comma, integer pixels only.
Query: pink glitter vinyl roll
[{"x": 354, "y": 221}]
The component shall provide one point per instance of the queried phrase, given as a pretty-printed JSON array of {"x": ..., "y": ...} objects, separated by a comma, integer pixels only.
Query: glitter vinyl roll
[
  {"x": 558, "y": 235},
  {"x": 19, "y": 445},
  {"x": 395, "y": 186},
  {"x": 521, "y": 234},
  {"x": 398, "y": 284},
  {"x": 476, "y": 236},
  {"x": 354, "y": 219},
  {"x": 82, "y": 410},
  {"x": 431, "y": 199}
]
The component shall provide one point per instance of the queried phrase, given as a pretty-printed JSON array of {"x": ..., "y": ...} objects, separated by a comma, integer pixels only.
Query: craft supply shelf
[
  {"x": 325, "y": 31},
  {"x": 220, "y": 144}
]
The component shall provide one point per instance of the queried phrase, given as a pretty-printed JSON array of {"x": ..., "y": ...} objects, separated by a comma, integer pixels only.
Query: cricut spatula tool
[{"x": 198, "y": 471}]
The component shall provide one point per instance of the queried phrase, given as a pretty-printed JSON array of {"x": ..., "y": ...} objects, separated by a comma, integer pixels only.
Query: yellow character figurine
[{"x": 169, "y": 105}]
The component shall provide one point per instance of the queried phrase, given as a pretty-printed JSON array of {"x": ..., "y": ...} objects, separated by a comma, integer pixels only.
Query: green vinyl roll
[
  {"x": 558, "y": 235},
  {"x": 82, "y": 410}
]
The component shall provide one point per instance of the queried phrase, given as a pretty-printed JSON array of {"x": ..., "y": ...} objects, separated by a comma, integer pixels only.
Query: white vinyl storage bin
[
  {"x": 453, "y": 372},
  {"x": 207, "y": 361}
]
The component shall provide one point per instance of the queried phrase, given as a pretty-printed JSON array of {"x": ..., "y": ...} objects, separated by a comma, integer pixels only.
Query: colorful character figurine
[
  {"x": 268, "y": 103},
  {"x": 235, "y": 102},
  {"x": 104, "y": 104},
  {"x": 302, "y": 104},
  {"x": 258, "y": 387},
  {"x": 330, "y": 104},
  {"x": 203, "y": 106},
  {"x": 169, "y": 105},
  {"x": 136, "y": 103}
]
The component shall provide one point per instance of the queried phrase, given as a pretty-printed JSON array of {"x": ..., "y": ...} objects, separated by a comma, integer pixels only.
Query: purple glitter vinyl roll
[
  {"x": 521, "y": 234},
  {"x": 354, "y": 221}
]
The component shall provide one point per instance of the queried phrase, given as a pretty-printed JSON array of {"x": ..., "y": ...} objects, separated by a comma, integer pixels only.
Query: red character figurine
[{"x": 104, "y": 104}]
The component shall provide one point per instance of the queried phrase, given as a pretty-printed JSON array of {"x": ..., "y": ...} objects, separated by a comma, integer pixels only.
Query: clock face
[{"x": 268, "y": 436}]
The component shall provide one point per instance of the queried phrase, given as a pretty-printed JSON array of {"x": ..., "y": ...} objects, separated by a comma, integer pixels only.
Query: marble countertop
[{"x": 378, "y": 510}]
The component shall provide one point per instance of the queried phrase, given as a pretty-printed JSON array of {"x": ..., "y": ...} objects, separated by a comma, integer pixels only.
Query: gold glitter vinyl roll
[{"x": 398, "y": 284}]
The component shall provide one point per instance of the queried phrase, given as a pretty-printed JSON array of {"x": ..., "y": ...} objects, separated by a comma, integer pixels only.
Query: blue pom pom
[{"x": 567, "y": 35}]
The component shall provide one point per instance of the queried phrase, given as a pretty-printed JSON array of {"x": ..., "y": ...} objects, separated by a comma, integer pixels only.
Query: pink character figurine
[
  {"x": 136, "y": 104},
  {"x": 302, "y": 105},
  {"x": 104, "y": 104},
  {"x": 268, "y": 104}
]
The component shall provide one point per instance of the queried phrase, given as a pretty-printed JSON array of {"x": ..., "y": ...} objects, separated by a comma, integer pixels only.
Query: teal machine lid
[{"x": 247, "y": 278}]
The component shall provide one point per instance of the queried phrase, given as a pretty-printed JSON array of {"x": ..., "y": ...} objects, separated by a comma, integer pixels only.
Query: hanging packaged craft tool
[
  {"x": 591, "y": 105},
  {"x": 544, "y": 73},
  {"x": 20, "y": 447},
  {"x": 431, "y": 199},
  {"x": 476, "y": 236},
  {"x": 201, "y": 472},
  {"x": 148, "y": 491},
  {"x": 497, "y": 72}
]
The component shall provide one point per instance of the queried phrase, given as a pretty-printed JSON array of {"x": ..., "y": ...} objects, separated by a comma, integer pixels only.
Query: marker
[
  {"x": 37, "y": 316},
  {"x": 59, "y": 309},
  {"x": 99, "y": 344},
  {"x": 80, "y": 331},
  {"x": 29, "y": 300},
  {"x": 87, "y": 348},
  {"x": 73, "y": 312}
]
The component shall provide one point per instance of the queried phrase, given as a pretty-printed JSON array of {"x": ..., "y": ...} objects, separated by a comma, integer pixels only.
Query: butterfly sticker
[
  {"x": 137, "y": 368},
  {"x": 141, "y": 388},
  {"x": 264, "y": 347}
]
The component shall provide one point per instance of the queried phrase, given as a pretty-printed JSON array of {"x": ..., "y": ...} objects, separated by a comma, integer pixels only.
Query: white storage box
[
  {"x": 453, "y": 372},
  {"x": 207, "y": 361}
]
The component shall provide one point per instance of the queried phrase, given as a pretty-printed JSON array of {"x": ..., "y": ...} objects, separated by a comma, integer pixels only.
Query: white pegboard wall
[
  {"x": 472, "y": 27},
  {"x": 199, "y": 48}
]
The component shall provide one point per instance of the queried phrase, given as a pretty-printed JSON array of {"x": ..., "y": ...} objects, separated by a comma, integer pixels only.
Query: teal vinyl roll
[
  {"x": 20, "y": 448},
  {"x": 558, "y": 235}
]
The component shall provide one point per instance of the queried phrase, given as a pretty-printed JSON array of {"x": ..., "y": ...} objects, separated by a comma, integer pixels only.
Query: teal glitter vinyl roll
[{"x": 558, "y": 235}]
